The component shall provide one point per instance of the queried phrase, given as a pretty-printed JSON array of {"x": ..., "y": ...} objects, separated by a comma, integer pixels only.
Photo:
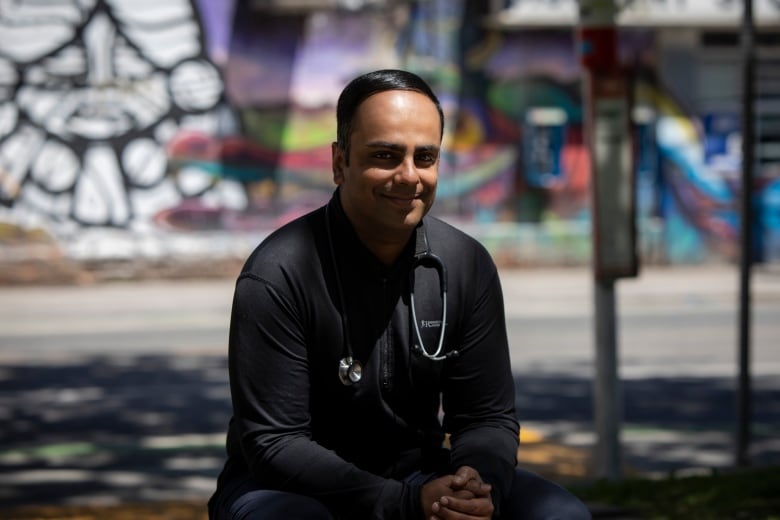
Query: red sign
[{"x": 598, "y": 48}]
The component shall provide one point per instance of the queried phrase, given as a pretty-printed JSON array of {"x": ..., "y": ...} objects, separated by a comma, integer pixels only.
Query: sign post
[
  {"x": 744, "y": 400},
  {"x": 606, "y": 97}
]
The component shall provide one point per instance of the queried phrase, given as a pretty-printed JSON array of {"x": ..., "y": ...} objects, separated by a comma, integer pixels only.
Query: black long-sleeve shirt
[{"x": 297, "y": 428}]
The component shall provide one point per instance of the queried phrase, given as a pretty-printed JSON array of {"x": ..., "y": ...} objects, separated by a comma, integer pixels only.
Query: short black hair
[{"x": 372, "y": 83}]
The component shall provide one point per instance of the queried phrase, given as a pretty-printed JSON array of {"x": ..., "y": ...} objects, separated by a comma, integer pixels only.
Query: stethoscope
[{"x": 350, "y": 369}]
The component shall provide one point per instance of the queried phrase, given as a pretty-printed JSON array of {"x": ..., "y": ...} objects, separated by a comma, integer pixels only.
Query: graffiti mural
[
  {"x": 159, "y": 119},
  {"x": 94, "y": 90}
]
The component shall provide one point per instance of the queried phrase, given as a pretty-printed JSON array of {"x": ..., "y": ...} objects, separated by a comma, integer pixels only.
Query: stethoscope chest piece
[{"x": 350, "y": 370}]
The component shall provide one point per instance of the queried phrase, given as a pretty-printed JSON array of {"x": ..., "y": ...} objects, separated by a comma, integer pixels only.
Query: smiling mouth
[
  {"x": 404, "y": 195},
  {"x": 402, "y": 200}
]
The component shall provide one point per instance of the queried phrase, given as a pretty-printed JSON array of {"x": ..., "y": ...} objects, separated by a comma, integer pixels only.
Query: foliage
[{"x": 745, "y": 494}]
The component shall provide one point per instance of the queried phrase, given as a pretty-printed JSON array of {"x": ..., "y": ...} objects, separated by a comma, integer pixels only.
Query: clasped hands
[{"x": 462, "y": 496}]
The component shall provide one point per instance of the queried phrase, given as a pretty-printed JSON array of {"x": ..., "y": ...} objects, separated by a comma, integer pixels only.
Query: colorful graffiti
[{"x": 208, "y": 115}]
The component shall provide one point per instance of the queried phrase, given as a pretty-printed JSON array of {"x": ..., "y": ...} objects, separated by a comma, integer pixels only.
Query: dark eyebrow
[
  {"x": 398, "y": 147},
  {"x": 385, "y": 144},
  {"x": 427, "y": 148}
]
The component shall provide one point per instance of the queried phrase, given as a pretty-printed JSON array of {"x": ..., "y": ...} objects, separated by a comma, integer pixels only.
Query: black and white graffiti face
[
  {"x": 93, "y": 89},
  {"x": 97, "y": 89}
]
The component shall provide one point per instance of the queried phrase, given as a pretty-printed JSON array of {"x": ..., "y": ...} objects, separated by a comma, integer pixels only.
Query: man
[{"x": 355, "y": 325}]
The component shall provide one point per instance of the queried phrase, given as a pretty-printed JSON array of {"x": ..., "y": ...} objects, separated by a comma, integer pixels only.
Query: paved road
[
  {"x": 686, "y": 314},
  {"x": 678, "y": 341},
  {"x": 119, "y": 391}
]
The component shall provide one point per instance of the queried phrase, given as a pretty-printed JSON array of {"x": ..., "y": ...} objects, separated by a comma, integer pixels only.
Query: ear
[{"x": 337, "y": 162}]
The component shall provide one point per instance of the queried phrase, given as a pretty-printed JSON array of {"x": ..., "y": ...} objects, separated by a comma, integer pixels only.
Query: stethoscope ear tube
[
  {"x": 350, "y": 369},
  {"x": 429, "y": 258}
]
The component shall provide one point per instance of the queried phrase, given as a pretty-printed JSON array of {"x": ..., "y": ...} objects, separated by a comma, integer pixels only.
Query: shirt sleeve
[
  {"x": 270, "y": 393},
  {"x": 479, "y": 395}
]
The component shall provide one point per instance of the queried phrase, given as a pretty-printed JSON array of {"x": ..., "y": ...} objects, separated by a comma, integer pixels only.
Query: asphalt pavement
[{"x": 118, "y": 392}]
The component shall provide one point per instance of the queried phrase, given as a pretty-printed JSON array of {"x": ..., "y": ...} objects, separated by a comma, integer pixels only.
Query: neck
[
  {"x": 385, "y": 246},
  {"x": 386, "y": 249}
]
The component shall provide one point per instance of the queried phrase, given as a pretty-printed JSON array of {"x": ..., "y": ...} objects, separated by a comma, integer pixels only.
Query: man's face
[{"x": 389, "y": 182}]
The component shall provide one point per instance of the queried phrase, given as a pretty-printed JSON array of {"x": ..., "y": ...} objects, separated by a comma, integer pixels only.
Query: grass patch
[{"x": 748, "y": 494}]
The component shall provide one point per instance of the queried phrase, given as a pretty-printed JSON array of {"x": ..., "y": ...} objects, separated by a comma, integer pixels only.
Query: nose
[
  {"x": 407, "y": 172},
  {"x": 99, "y": 36}
]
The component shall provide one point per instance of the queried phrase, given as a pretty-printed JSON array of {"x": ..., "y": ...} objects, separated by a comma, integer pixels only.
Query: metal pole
[
  {"x": 607, "y": 463},
  {"x": 600, "y": 60},
  {"x": 746, "y": 246}
]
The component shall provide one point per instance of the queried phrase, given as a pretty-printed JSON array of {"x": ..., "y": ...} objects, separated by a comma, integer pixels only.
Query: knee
[
  {"x": 533, "y": 497},
  {"x": 559, "y": 505},
  {"x": 573, "y": 509},
  {"x": 273, "y": 505}
]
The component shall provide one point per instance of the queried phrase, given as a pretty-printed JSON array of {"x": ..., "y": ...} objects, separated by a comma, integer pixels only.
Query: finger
[
  {"x": 435, "y": 489},
  {"x": 475, "y": 507},
  {"x": 464, "y": 474},
  {"x": 436, "y": 508},
  {"x": 477, "y": 488},
  {"x": 467, "y": 478},
  {"x": 463, "y": 493}
]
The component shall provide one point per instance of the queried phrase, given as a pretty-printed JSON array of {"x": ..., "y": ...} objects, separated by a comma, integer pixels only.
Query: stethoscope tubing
[
  {"x": 430, "y": 258},
  {"x": 350, "y": 369}
]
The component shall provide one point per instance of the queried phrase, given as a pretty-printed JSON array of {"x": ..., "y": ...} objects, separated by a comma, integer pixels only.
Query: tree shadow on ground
[
  {"x": 148, "y": 428},
  {"x": 112, "y": 429},
  {"x": 669, "y": 424}
]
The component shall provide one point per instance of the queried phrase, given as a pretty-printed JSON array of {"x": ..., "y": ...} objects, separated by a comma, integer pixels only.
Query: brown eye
[{"x": 426, "y": 159}]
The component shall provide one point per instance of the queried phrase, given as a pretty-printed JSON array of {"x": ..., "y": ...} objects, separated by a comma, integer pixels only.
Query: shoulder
[
  {"x": 472, "y": 276},
  {"x": 288, "y": 249},
  {"x": 453, "y": 244},
  {"x": 469, "y": 265}
]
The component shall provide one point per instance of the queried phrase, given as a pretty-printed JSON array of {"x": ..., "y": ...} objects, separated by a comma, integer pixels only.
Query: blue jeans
[{"x": 532, "y": 498}]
